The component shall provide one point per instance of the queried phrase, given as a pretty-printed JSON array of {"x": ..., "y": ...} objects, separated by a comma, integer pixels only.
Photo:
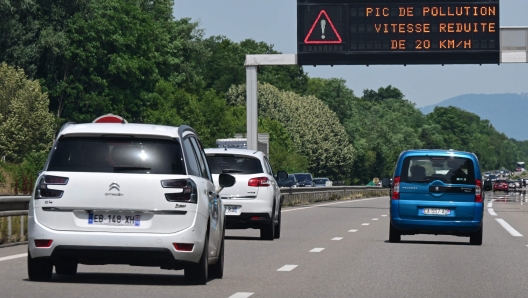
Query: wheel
[
  {"x": 66, "y": 268},
  {"x": 197, "y": 273},
  {"x": 476, "y": 238},
  {"x": 39, "y": 269},
  {"x": 268, "y": 231},
  {"x": 394, "y": 235},
  {"x": 217, "y": 270},
  {"x": 278, "y": 226}
]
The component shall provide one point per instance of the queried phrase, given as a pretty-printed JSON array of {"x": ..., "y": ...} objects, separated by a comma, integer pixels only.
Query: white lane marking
[
  {"x": 317, "y": 249},
  {"x": 384, "y": 215},
  {"x": 490, "y": 204},
  {"x": 341, "y": 202},
  {"x": 375, "y": 218},
  {"x": 365, "y": 224},
  {"x": 13, "y": 257},
  {"x": 337, "y": 238},
  {"x": 352, "y": 231},
  {"x": 287, "y": 268},
  {"x": 492, "y": 212},
  {"x": 508, "y": 228},
  {"x": 241, "y": 295}
]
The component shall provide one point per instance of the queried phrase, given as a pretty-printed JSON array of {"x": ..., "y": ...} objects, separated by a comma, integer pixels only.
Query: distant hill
[{"x": 506, "y": 112}]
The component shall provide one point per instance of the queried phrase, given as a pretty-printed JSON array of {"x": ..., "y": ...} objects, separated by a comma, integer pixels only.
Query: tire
[
  {"x": 476, "y": 238},
  {"x": 278, "y": 226},
  {"x": 198, "y": 273},
  {"x": 66, "y": 268},
  {"x": 217, "y": 270},
  {"x": 394, "y": 235},
  {"x": 268, "y": 231},
  {"x": 39, "y": 269}
]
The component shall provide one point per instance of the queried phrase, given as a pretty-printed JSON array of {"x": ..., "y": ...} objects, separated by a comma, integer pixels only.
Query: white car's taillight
[
  {"x": 188, "y": 193},
  {"x": 44, "y": 192},
  {"x": 260, "y": 181}
]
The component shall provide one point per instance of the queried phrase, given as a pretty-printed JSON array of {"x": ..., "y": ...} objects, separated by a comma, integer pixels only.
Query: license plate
[
  {"x": 436, "y": 211},
  {"x": 233, "y": 210},
  {"x": 113, "y": 219}
]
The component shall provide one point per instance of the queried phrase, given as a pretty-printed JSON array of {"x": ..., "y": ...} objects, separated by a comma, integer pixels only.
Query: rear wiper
[
  {"x": 131, "y": 168},
  {"x": 231, "y": 171}
]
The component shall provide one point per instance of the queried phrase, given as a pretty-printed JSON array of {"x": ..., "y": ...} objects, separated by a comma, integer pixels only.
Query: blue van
[{"x": 436, "y": 192}]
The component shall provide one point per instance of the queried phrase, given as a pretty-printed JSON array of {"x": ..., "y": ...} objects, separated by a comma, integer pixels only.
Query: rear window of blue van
[{"x": 451, "y": 170}]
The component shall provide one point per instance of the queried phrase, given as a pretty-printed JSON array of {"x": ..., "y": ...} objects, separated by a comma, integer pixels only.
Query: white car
[
  {"x": 254, "y": 202},
  {"x": 135, "y": 194}
]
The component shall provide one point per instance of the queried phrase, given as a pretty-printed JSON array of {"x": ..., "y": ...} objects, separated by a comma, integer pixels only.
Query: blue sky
[{"x": 275, "y": 22}]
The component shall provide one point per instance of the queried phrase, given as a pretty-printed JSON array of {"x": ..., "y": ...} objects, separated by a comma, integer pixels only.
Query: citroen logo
[{"x": 114, "y": 185}]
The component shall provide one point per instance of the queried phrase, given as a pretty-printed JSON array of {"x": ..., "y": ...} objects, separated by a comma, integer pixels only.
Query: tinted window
[
  {"x": 192, "y": 163},
  {"x": 221, "y": 163},
  {"x": 452, "y": 170},
  {"x": 320, "y": 181},
  {"x": 124, "y": 155},
  {"x": 303, "y": 177}
]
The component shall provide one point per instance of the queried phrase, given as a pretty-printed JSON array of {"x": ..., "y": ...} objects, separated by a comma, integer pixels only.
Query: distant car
[
  {"x": 501, "y": 185},
  {"x": 492, "y": 178},
  {"x": 422, "y": 201},
  {"x": 254, "y": 202},
  {"x": 290, "y": 182},
  {"x": 322, "y": 182},
  {"x": 304, "y": 179}
]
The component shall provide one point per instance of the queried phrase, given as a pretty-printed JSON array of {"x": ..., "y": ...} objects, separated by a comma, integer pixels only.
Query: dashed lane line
[
  {"x": 384, "y": 215},
  {"x": 375, "y": 218},
  {"x": 321, "y": 205},
  {"x": 337, "y": 238},
  {"x": 241, "y": 295},
  {"x": 352, "y": 231},
  {"x": 317, "y": 249},
  {"x": 492, "y": 212},
  {"x": 13, "y": 257},
  {"x": 508, "y": 228},
  {"x": 287, "y": 268},
  {"x": 365, "y": 224}
]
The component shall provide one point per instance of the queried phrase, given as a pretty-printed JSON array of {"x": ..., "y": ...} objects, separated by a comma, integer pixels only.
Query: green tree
[
  {"x": 25, "y": 123},
  {"x": 335, "y": 94}
]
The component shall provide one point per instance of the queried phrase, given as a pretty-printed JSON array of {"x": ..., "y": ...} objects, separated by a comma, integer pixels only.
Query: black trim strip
[{"x": 56, "y": 209}]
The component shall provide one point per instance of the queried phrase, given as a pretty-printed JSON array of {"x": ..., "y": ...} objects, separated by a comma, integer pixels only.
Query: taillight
[
  {"x": 396, "y": 188},
  {"x": 43, "y": 192},
  {"x": 478, "y": 191},
  {"x": 43, "y": 243},
  {"x": 188, "y": 192},
  {"x": 183, "y": 246},
  {"x": 260, "y": 181}
]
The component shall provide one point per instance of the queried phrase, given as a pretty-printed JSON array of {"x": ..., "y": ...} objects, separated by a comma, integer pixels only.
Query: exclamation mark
[{"x": 323, "y": 25}]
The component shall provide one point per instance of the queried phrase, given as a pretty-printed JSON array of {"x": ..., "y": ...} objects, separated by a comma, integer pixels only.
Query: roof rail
[{"x": 65, "y": 125}]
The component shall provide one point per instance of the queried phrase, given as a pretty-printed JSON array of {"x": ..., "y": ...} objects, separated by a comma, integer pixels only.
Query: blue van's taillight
[
  {"x": 478, "y": 190},
  {"x": 396, "y": 188}
]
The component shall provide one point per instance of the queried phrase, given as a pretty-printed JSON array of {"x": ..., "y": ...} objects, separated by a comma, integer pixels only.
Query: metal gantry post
[{"x": 252, "y": 107}]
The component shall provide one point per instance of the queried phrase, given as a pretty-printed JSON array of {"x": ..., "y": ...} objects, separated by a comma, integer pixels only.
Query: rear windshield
[
  {"x": 452, "y": 170},
  {"x": 123, "y": 155},
  {"x": 320, "y": 181},
  {"x": 228, "y": 163},
  {"x": 303, "y": 177}
]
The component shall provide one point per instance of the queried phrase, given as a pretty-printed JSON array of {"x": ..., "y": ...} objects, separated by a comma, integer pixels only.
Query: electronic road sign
[{"x": 341, "y": 32}]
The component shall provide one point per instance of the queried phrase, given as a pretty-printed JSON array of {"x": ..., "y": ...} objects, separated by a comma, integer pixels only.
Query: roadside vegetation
[{"x": 74, "y": 60}]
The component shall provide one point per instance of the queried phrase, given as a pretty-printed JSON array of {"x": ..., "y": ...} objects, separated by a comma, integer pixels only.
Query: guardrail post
[
  {"x": 9, "y": 228},
  {"x": 22, "y": 227}
]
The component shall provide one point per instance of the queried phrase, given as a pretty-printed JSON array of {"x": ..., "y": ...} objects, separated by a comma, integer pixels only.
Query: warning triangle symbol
[{"x": 323, "y": 31}]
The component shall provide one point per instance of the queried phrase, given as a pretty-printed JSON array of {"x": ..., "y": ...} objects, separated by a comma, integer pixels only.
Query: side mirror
[
  {"x": 225, "y": 180},
  {"x": 386, "y": 182},
  {"x": 282, "y": 175}
]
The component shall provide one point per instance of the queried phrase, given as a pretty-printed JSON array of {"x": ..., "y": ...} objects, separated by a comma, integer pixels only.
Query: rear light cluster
[
  {"x": 188, "y": 193},
  {"x": 478, "y": 190},
  {"x": 260, "y": 181},
  {"x": 396, "y": 188},
  {"x": 43, "y": 192}
]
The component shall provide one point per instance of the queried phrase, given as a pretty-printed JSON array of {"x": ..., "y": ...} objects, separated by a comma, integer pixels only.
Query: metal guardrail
[{"x": 14, "y": 206}]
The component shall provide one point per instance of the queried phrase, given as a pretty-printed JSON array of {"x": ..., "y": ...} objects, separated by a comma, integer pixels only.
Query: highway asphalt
[{"x": 336, "y": 249}]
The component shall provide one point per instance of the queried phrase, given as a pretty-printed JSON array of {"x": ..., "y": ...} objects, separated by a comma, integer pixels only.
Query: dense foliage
[{"x": 132, "y": 58}]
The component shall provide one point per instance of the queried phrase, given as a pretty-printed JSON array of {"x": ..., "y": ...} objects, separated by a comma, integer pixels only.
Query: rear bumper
[
  {"x": 261, "y": 208},
  {"x": 248, "y": 221},
  {"x": 142, "y": 249}
]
